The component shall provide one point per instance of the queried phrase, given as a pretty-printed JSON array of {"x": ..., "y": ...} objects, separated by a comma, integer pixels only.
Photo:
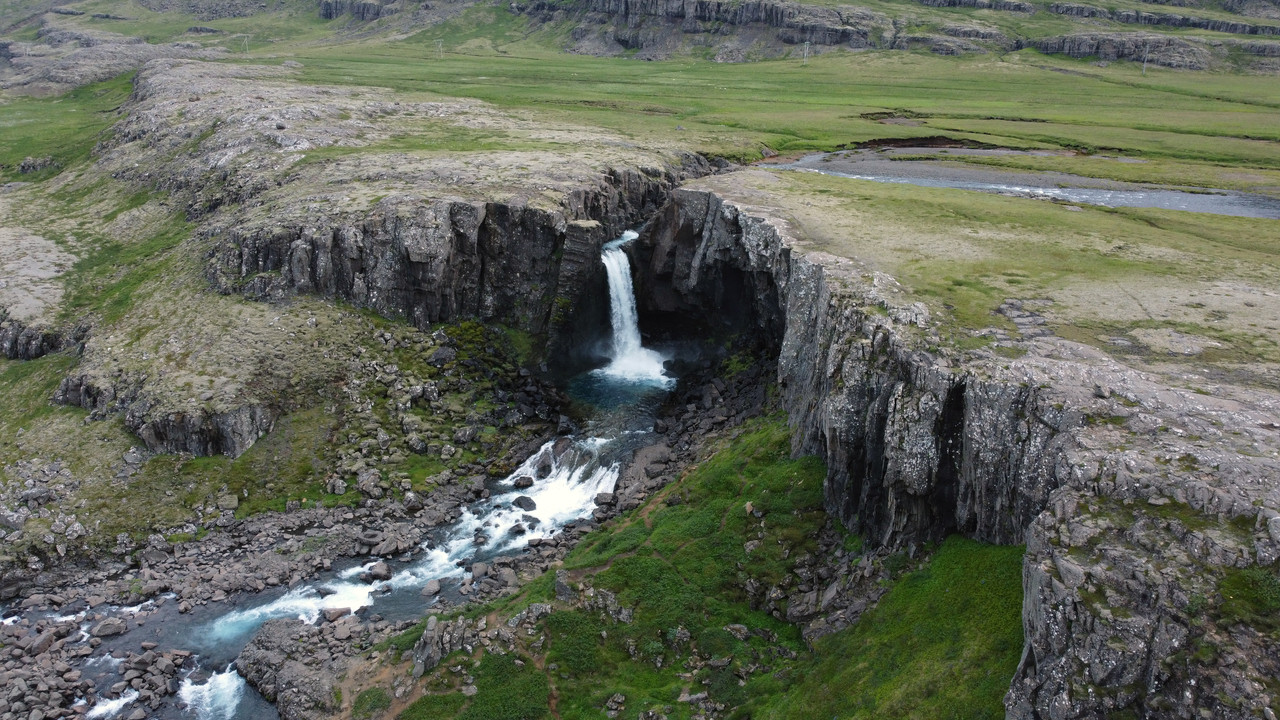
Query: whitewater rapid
[{"x": 568, "y": 473}]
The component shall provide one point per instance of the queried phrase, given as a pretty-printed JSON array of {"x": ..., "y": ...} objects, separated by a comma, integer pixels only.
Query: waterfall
[
  {"x": 630, "y": 361},
  {"x": 554, "y": 487}
]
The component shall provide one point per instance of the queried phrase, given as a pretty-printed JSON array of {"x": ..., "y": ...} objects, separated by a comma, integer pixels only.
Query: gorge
[{"x": 371, "y": 426}]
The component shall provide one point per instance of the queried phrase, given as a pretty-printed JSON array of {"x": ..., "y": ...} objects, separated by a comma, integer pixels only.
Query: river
[{"x": 569, "y": 474}]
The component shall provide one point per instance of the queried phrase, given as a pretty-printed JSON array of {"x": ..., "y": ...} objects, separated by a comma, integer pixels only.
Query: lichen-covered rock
[
  {"x": 267, "y": 663},
  {"x": 440, "y": 639}
]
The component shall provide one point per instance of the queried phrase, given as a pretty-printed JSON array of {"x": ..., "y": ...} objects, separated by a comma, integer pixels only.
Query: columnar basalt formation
[
  {"x": 915, "y": 448},
  {"x": 448, "y": 260},
  {"x": 1127, "y": 532},
  {"x": 657, "y": 24}
]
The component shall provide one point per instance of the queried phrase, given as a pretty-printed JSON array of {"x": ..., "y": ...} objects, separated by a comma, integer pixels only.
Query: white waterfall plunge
[{"x": 631, "y": 361}]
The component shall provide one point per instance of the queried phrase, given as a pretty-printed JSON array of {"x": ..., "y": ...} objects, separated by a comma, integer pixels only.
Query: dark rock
[
  {"x": 268, "y": 664},
  {"x": 380, "y": 571},
  {"x": 108, "y": 627},
  {"x": 443, "y": 356},
  {"x": 524, "y": 502}
]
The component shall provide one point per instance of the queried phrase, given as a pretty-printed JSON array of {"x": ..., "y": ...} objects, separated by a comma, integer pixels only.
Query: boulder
[{"x": 110, "y": 626}]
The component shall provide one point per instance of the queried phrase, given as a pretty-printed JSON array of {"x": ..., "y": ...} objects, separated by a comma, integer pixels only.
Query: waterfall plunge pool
[{"x": 569, "y": 472}]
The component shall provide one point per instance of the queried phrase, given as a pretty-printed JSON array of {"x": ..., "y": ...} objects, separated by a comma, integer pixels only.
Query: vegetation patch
[
  {"x": 434, "y": 707},
  {"x": 1251, "y": 596},
  {"x": 63, "y": 129},
  {"x": 943, "y": 643},
  {"x": 508, "y": 688},
  {"x": 370, "y": 703}
]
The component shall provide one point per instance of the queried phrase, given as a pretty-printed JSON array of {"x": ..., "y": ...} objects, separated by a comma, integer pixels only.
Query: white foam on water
[
  {"x": 565, "y": 495},
  {"x": 215, "y": 699},
  {"x": 135, "y": 609},
  {"x": 304, "y": 603},
  {"x": 354, "y": 571},
  {"x": 109, "y": 708},
  {"x": 109, "y": 661}
]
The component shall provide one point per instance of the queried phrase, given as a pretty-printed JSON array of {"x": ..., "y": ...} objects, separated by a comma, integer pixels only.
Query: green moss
[
  {"x": 434, "y": 707},
  {"x": 943, "y": 643},
  {"x": 1251, "y": 596},
  {"x": 370, "y": 702}
]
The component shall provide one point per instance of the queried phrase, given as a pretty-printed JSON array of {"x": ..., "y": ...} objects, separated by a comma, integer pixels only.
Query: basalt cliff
[{"x": 1134, "y": 497}]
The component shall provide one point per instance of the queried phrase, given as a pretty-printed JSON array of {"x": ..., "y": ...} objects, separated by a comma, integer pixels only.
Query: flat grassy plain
[{"x": 1021, "y": 99}]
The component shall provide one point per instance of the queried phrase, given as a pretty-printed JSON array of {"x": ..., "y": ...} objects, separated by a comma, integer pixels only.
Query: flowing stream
[
  {"x": 571, "y": 474},
  {"x": 1216, "y": 202}
]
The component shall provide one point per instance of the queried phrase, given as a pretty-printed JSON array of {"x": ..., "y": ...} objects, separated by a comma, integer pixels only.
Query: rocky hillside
[{"x": 73, "y": 47}]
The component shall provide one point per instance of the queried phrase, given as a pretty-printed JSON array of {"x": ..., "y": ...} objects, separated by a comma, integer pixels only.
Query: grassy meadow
[{"x": 942, "y": 643}]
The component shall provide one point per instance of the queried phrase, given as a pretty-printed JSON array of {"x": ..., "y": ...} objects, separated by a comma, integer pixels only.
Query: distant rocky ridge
[
  {"x": 1161, "y": 50},
  {"x": 363, "y": 10},
  {"x": 1138, "y": 17},
  {"x": 657, "y": 26}
]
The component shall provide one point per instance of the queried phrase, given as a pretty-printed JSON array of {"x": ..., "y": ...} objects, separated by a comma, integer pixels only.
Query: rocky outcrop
[
  {"x": 63, "y": 58},
  {"x": 267, "y": 663},
  {"x": 1162, "y": 50},
  {"x": 1005, "y": 5},
  {"x": 657, "y": 24},
  {"x": 214, "y": 9},
  {"x": 206, "y": 431},
  {"x": 21, "y": 342},
  {"x": 1077, "y": 10},
  {"x": 1269, "y": 9},
  {"x": 442, "y": 638},
  {"x": 362, "y": 10},
  {"x": 1139, "y": 17}
]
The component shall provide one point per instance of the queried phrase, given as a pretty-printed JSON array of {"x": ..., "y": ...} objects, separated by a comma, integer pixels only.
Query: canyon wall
[
  {"x": 915, "y": 448},
  {"x": 1130, "y": 523}
]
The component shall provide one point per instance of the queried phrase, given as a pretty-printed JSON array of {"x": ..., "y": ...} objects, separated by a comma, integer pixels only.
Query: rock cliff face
[
  {"x": 1157, "y": 49},
  {"x": 363, "y": 10},
  {"x": 204, "y": 432},
  {"x": 914, "y": 448},
  {"x": 21, "y": 342},
  {"x": 447, "y": 260},
  {"x": 1130, "y": 532},
  {"x": 657, "y": 24}
]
